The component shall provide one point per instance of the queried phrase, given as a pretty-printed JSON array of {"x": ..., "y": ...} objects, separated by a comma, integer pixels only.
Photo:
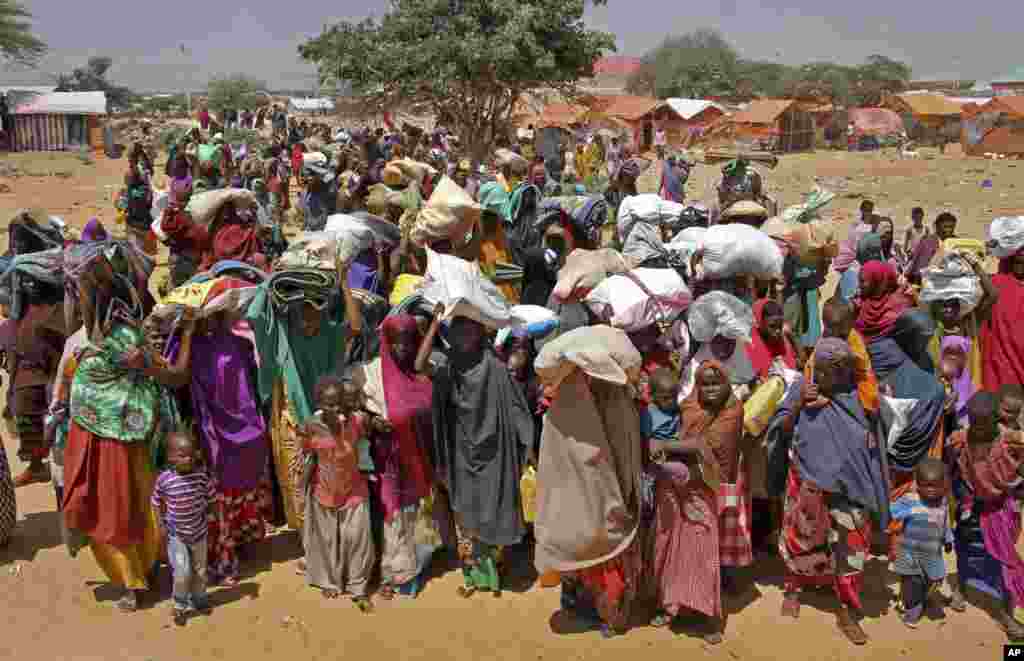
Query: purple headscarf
[
  {"x": 963, "y": 385},
  {"x": 94, "y": 231},
  {"x": 179, "y": 188}
]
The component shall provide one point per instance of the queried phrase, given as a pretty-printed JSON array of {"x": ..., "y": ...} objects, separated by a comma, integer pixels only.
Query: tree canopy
[
  {"x": 235, "y": 93},
  {"x": 470, "y": 61},
  {"x": 17, "y": 43},
  {"x": 93, "y": 78},
  {"x": 703, "y": 63}
]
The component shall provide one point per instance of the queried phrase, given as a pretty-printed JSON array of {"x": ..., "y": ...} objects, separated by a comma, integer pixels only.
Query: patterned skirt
[
  {"x": 237, "y": 517},
  {"x": 825, "y": 540},
  {"x": 8, "y": 505}
]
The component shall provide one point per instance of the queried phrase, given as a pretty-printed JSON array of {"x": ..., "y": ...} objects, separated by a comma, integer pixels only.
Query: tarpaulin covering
[{"x": 875, "y": 121}]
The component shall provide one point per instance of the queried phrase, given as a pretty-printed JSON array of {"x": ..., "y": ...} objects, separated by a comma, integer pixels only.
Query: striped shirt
[
  {"x": 925, "y": 531},
  {"x": 182, "y": 502}
]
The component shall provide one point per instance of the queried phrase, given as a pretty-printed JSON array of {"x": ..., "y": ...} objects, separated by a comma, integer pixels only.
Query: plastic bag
[
  {"x": 602, "y": 352},
  {"x": 720, "y": 313},
  {"x": 625, "y": 304},
  {"x": 585, "y": 269},
  {"x": 450, "y": 213},
  {"x": 204, "y": 206},
  {"x": 464, "y": 290},
  {"x": 951, "y": 277},
  {"x": 737, "y": 249},
  {"x": 314, "y": 158},
  {"x": 1006, "y": 236},
  {"x": 356, "y": 234}
]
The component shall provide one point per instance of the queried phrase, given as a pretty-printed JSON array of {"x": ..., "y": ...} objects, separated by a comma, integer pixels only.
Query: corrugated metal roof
[
  {"x": 763, "y": 111},
  {"x": 927, "y": 103},
  {"x": 310, "y": 105},
  {"x": 65, "y": 103},
  {"x": 690, "y": 108}
]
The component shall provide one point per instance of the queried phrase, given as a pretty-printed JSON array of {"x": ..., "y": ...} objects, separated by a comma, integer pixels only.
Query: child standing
[
  {"x": 916, "y": 231},
  {"x": 182, "y": 497},
  {"x": 660, "y": 419},
  {"x": 924, "y": 513},
  {"x": 337, "y": 536},
  {"x": 987, "y": 463},
  {"x": 1011, "y": 401}
]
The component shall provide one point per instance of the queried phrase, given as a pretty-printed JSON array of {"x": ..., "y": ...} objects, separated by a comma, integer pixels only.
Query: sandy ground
[{"x": 56, "y": 607}]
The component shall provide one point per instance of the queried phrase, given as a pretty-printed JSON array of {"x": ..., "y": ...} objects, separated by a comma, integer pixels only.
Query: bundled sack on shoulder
[
  {"x": 646, "y": 208},
  {"x": 413, "y": 170},
  {"x": 358, "y": 233},
  {"x": 310, "y": 250},
  {"x": 720, "y": 313},
  {"x": 601, "y": 352},
  {"x": 951, "y": 277},
  {"x": 803, "y": 232},
  {"x": 585, "y": 269},
  {"x": 449, "y": 214},
  {"x": 1006, "y": 236},
  {"x": 464, "y": 291},
  {"x": 685, "y": 245},
  {"x": 737, "y": 249},
  {"x": 204, "y": 207},
  {"x": 640, "y": 298}
]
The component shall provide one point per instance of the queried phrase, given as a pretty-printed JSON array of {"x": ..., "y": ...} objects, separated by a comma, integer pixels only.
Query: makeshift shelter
[
  {"x": 60, "y": 120},
  {"x": 695, "y": 116},
  {"x": 635, "y": 115},
  {"x": 926, "y": 117},
  {"x": 997, "y": 127},
  {"x": 877, "y": 122},
  {"x": 321, "y": 106},
  {"x": 775, "y": 124}
]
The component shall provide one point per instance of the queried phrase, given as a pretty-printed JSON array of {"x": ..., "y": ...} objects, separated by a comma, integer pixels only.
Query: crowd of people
[{"x": 389, "y": 425}]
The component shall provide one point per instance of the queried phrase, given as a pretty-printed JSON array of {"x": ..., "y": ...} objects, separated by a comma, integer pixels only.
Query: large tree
[
  {"x": 93, "y": 78},
  {"x": 17, "y": 43},
  {"x": 470, "y": 61},
  {"x": 698, "y": 64},
  {"x": 234, "y": 93}
]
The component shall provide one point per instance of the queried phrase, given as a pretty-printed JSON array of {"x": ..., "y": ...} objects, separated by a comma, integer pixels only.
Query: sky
[{"x": 938, "y": 40}]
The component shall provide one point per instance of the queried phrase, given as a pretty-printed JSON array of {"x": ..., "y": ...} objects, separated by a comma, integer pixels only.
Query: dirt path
[{"x": 59, "y": 608}]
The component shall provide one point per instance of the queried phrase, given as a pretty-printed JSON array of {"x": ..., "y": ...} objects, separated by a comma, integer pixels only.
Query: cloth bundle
[
  {"x": 737, "y": 249},
  {"x": 45, "y": 266},
  {"x": 640, "y": 298},
  {"x": 601, "y": 352},
  {"x": 204, "y": 206},
  {"x": 413, "y": 170},
  {"x": 311, "y": 250},
  {"x": 646, "y": 208},
  {"x": 588, "y": 213},
  {"x": 720, "y": 313},
  {"x": 951, "y": 278},
  {"x": 585, "y": 269},
  {"x": 450, "y": 213},
  {"x": 291, "y": 286},
  {"x": 358, "y": 233}
]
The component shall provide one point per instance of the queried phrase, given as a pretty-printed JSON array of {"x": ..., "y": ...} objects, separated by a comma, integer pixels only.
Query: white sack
[
  {"x": 625, "y": 305},
  {"x": 464, "y": 291},
  {"x": 951, "y": 277},
  {"x": 357, "y": 234},
  {"x": 737, "y": 249},
  {"x": 1006, "y": 235},
  {"x": 646, "y": 208},
  {"x": 585, "y": 269},
  {"x": 720, "y": 313},
  {"x": 204, "y": 206}
]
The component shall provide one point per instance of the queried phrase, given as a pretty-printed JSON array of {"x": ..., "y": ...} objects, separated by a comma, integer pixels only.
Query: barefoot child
[
  {"x": 337, "y": 535},
  {"x": 987, "y": 462},
  {"x": 924, "y": 513},
  {"x": 181, "y": 497}
]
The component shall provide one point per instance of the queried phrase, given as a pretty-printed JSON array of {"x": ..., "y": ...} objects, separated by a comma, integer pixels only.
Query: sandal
[
  {"x": 465, "y": 591},
  {"x": 851, "y": 628},
  {"x": 386, "y": 592},
  {"x": 1013, "y": 629},
  {"x": 957, "y": 601}
]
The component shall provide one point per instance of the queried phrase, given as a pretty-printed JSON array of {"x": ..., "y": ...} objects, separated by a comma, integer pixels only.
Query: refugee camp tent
[
  {"x": 878, "y": 122},
  {"x": 996, "y": 127},
  {"x": 776, "y": 124},
  {"x": 59, "y": 120}
]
